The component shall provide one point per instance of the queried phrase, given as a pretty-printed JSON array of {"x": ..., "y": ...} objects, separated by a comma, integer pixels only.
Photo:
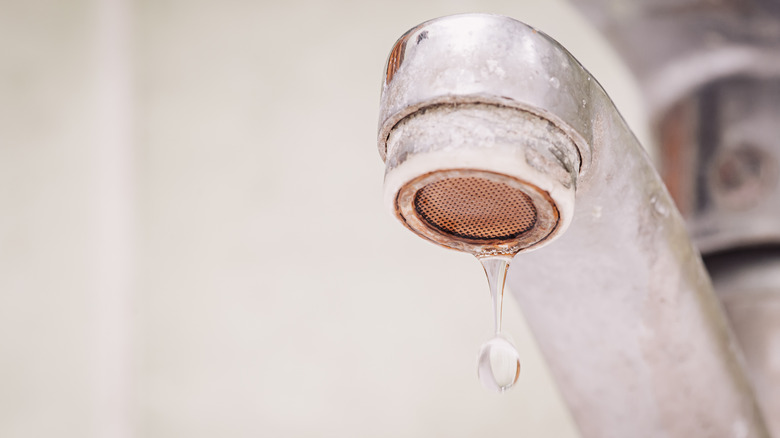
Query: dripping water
[{"x": 498, "y": 363}]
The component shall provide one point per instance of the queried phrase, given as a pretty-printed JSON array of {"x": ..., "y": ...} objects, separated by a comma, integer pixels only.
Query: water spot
[
  {"x": 659, "y": 206},
  {"x": 554, "y": 82},
  {"x": 494, "y": 68}
]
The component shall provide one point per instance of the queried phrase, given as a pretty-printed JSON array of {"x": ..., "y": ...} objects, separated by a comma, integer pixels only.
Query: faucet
[{"x": 483, "y": 107}]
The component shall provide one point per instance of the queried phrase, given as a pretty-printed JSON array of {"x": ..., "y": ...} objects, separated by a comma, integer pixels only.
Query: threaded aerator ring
[{"x": 477, "y": 211}]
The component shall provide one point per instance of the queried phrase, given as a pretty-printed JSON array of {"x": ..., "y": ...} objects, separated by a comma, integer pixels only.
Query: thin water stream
[{"x": 498, "y": 363}]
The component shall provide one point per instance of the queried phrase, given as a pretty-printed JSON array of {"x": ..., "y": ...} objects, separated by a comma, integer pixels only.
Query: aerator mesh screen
[{"x": 475, "y": 208}]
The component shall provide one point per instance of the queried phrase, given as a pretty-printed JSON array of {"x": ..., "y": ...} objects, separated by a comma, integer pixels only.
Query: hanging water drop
[{"x": 498, "y": 363}]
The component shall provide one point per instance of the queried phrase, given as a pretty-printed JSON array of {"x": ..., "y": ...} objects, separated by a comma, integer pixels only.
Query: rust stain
[
  {"x": 676, "y": 156},
  {"x": 396, "y": 57}
]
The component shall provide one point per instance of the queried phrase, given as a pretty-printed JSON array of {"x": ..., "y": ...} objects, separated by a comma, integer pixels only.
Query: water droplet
[
  {"x": 584, "y": 102},
  {"x": 498, "y": 363},
  {"x": 555, "y": 82},
  {"x": 659, "y": 206}
]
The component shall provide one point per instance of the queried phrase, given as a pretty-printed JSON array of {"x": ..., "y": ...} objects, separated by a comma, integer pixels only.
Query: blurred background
[{"x": 192, "y": 235}]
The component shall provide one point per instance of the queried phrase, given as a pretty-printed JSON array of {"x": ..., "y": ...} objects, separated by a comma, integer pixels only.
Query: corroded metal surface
[
  {"x": 710, "y": 73},
  {"x": 620, "y": 304},
  {"x": 504, "y": 146}
]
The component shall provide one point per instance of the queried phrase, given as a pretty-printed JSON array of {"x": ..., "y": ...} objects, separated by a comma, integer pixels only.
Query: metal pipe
[
  {"x": 710, "y": 73},
  {"x": 747, "y": 283},
  {"x": 620, "y": 303}
]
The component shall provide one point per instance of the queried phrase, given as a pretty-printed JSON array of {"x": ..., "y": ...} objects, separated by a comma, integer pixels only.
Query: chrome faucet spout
[{"x": 611, "y": 286}]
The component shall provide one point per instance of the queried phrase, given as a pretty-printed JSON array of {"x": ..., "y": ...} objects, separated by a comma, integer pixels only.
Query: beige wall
[{"x": 192, "y": 240}]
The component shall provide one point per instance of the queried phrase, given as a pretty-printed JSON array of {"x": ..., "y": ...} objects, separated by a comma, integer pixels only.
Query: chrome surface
[
  {"x": 747, "y": 283},
  {"x": 475, "y": 58},
  {"x": 710, "y": 72},
  {"x": 620, "y": 303},
  {"x": 710, "y": 75},
  {"x": 495, "y": 143}
]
